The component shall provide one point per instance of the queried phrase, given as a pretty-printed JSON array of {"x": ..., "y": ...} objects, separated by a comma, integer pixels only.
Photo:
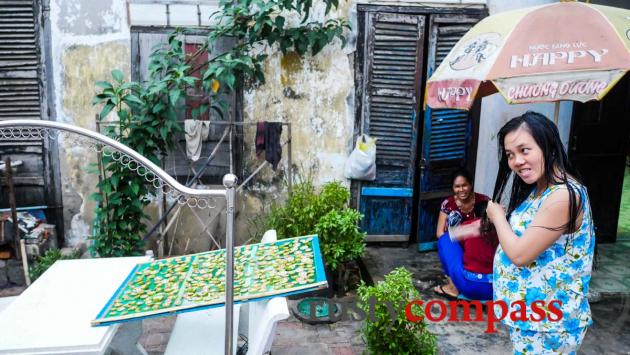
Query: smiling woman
[
  {"x": 546, "y": 238},
  {"x": 467, "y": 263}
]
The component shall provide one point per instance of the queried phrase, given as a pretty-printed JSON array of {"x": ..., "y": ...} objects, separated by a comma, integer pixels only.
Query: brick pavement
[
  {"x": 608, "y": 335},
  {"x": 292, "y": 337},
  {"x": 340, "y": 338}
]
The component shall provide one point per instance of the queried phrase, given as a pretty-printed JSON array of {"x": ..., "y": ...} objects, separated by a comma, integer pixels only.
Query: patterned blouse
[{"x": 562, "y": 272}]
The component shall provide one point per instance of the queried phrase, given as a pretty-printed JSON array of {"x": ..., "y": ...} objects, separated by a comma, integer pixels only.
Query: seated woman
[{"x": 468, "y": 263}]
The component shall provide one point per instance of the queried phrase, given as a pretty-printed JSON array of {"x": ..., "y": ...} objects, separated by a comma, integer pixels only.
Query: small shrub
[
  {"x": 298, "y": 215},
  {"x": 44, "y": 262},
  {"x": 334, "y": 196},
  {"x": 400, "y": 336},
  {"x": 340, "y": 239},
  {"x": 304, "y": 207}
]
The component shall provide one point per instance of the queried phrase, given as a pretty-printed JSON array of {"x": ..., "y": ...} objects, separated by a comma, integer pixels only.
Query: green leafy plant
[
  {"x": 42, "y": 263},
  {"x": 147, "y": 112},
  {"x": 333, "y": 196},
  {"x": 400, "y": 336},
  {"x": 340, "y": 239},
  {"x": 301, "y": 212}
]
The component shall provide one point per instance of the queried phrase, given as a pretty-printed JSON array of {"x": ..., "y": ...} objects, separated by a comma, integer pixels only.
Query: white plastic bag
[{"x": 361, "y": 164}]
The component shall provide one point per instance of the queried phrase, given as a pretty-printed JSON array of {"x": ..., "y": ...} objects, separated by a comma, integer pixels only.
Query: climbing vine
[{"x": 147, "y": 112}]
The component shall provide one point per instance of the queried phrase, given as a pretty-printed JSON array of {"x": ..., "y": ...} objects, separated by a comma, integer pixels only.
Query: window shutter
[
  {"x": 446, "y": 134},
  {"x": 447, "y": 129},
  {"x": 21, "y": 97},
  {"x": 19, "y": 58},
  {"x": 391, "y": 92}
]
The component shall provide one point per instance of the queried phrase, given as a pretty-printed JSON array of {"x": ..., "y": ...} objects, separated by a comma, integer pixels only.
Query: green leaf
[
  {"x": 279, "y": 22},
  {"x": 114, "y": 179},
  {"x": 118, "y": 75},
  {"x": 174, "y": 96},
  {"x": 103, "y": 84},
  {"x": 135, "y": 188},
  {"x": 158, "y": 107},
  {"x": 106, "y": 110},
  {"x": 131, "y": 98},
  {"x": 229, "y": 80},
  {"x": 107, "y": 189},
  {"x": 164, "y": 132},
  {"x": 123, "y": 116},
  {"x": 96, "y": 197}
]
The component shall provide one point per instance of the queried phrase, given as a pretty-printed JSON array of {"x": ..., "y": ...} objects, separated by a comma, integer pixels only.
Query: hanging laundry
[
  {"x": 268, "y": 140},
  {"x": 196, "y": 132},
  {"x": 273, "y": 149},
  {"x": 260, "y": 139}
]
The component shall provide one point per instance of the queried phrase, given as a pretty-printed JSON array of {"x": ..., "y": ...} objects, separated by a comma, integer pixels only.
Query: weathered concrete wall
[
  {"x": 89, "y": 39},
  {"x": 316, "y": 95}
]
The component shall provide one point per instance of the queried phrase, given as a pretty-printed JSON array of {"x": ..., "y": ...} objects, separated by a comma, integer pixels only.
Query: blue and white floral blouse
[{"x": 562, "y": 272}]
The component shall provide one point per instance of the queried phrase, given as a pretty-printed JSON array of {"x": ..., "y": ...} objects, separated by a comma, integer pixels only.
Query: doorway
[
  {"x": 417, "y": 149},
  {"x": 598, "y": 149},
  {"x": 623, "y": 225}
]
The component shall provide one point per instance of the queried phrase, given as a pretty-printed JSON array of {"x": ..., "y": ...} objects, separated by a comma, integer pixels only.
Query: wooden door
[
  {"x": 391, "y": 97},
  {"x": 447, "y": 135}
]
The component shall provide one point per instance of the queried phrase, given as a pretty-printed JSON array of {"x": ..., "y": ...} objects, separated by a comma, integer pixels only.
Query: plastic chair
[
  {"x": 264, "y": 315},
  {"x": 201, "y": 332}
]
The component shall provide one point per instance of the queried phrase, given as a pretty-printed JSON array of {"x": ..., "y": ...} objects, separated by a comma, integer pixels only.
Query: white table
[{"x": 53, "y": 315}]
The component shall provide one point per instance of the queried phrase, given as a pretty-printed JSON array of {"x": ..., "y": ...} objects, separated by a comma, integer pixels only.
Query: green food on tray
[{"x": 199, "y": 279}]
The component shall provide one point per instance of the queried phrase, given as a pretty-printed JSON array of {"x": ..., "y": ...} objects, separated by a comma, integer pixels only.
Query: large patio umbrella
[{"x": 561, "y": 51}]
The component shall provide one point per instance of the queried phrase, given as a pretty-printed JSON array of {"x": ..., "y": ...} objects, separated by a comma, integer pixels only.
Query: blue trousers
[{"x": 452, "y": 258}]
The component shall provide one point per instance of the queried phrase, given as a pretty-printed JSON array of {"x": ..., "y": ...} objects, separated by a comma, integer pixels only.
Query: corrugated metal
[
  {"x": 392, "y": 84},
  {"x": 19, "y": 57}
]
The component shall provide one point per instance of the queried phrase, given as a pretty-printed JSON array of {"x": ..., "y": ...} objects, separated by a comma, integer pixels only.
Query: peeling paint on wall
[
  {"x": 312, "y": 94},
  {"x": 89, "y": 39},
  {"x": 82, "y": 66},
  {"x": 90, "y": 17}
]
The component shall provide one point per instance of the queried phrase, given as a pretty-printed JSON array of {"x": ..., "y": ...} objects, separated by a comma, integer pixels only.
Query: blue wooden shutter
[{"x": 446, "y": 133}]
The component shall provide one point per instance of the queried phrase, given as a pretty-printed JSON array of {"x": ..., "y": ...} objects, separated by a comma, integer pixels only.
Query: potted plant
[
  {"x": 341, "y": 242},
  {"x": 402, "y": 336}
]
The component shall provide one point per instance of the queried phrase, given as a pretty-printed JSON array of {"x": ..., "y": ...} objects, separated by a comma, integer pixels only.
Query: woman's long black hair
[{"x": 557, "y": 169}]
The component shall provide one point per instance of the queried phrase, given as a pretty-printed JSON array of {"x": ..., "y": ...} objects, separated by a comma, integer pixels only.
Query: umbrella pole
[{"x": 556, "y": 112}]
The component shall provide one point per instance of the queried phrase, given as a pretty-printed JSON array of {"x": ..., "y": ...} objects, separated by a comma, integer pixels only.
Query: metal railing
[{"x": 132, "y": 160}]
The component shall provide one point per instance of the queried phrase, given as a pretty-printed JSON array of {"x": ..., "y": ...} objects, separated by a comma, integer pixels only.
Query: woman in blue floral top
[{"x": 543, "y": 263}]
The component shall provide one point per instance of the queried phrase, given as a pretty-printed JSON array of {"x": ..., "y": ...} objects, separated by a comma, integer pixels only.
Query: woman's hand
[{"x": 495, "y": 212}]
